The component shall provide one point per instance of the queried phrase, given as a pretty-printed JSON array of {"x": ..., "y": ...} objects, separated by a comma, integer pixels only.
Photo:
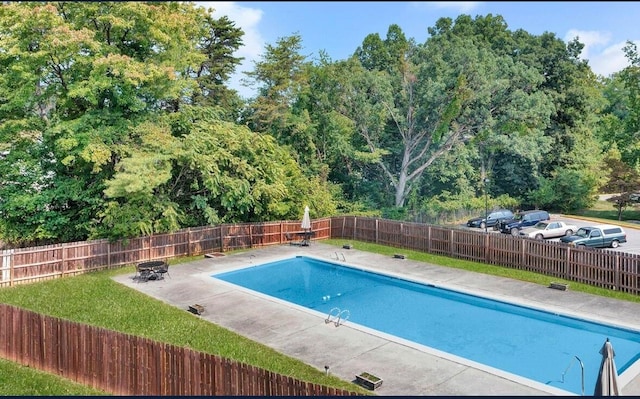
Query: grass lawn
[
  {"x": 605, "y": 212},
  {"x": 119, "y": 308},
  {"x": 17, "y": 380}
]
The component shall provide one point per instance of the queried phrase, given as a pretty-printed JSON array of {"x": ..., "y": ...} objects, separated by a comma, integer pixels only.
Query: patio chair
[
  {"x": 161, "y": 270},
  {"x": 290, "y": 237},
  {"x": 143, "y": 273}
]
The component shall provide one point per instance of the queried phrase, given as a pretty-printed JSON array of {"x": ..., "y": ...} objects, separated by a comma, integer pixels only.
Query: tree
[
  {"x": 623, "y": 180},
  {"x": 278, "y": 108},
  {"x": 96, "y": 116},
  {"x": 219, "y": 172},
  {"x": 76, "y": 80},
  {"x": 446, "y": 91},
  {"x": 221, "y": 41},
  {"x": 621, "y": 117}
]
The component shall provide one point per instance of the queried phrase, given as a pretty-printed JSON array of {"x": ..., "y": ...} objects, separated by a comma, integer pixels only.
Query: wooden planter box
[{"x": 368, "y": 380}]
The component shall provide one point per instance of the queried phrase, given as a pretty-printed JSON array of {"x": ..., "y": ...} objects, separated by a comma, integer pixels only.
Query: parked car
[
  {"x": 491, "y": 220},
  {"x": 549, "y": 229},
  {"x": 522, "y": 220},
  {"x": 599, "y": 236}
]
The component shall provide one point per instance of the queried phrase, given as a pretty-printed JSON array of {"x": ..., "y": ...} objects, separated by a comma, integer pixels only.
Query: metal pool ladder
[
  {"x": 569, "y": 366},
  {"x": 338, "y": 257},
  {"x": 338, "y": 317}
]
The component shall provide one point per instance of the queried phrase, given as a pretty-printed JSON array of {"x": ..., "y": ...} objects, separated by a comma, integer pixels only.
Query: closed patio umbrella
[
  {"x": 306, "y": 220},
  {"x": 306, "y": 226},
  {"x": 607, "y": 383}
]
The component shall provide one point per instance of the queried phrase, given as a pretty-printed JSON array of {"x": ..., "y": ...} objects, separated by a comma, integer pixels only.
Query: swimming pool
[{"x": 526, "y": 342}]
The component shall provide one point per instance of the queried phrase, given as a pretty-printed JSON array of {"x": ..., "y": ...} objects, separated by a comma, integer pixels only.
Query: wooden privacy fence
[
  {"x": 27, "y": 265},
  {"x": 123, "y": 364},
  {"x": 607, "y": 269}
]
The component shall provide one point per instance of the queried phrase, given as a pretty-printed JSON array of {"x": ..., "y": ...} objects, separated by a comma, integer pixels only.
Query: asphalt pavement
[{"x": 632, "y": 245}]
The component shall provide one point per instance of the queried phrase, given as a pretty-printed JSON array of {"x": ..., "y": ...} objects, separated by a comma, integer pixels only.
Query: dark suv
[
  {"x": 492, "y": 219},
  {"x": 522, "y": 219}
]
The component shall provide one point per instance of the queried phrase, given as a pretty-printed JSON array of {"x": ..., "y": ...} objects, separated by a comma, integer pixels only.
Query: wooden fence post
[
  {"x": 486, "y": 247},
  {"x": 567, "y": 263},
  {"x": 377, "y": 227},
  {"x": 7, "y": 265},
  {"x": 221, "y": 238},
  {"x": 355, "y": 223},
  {"x": 188, "y": 243},
  {"x": 62, "y": 259},
  {"x": 451, "y": 242},
  {"x": 617, "y": 273},
  {"x": 11, "y": 270}
]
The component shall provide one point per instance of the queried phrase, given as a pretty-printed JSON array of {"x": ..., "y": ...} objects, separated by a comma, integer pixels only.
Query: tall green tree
[
  {"x": 620, "y": 124},
  {"x": 212, "y": 75},
  {"x": 194, "y": 169},
  {"x": 623, "y": 180},
  {"x": 77, "y": 78},
  {"x": 102, "y": 127},
  {"x": 447, "y": 91},
  {"x": 556, "y": 134}
]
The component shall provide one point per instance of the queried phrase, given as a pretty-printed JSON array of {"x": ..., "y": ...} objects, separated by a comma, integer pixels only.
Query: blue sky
[{"x": 340, "y": 27}]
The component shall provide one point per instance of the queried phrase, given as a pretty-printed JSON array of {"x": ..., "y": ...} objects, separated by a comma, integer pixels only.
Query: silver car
[{"x": 549, "y": 229}]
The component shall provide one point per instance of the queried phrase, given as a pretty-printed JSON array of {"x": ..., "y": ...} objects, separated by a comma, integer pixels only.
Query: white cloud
[
  {"x": 460, "y": 6},
  {"x": 591, "y": 39},
  {"x": 610, "y": 60},
  {"x": 604, "y": 58},
  {"x": 248, "y": 20}
]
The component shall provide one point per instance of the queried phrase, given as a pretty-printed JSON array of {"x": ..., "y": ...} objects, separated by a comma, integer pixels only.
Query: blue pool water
[{"x": 531, "y": 343}]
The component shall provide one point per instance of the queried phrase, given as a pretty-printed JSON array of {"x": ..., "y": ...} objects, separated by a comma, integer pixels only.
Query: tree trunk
[{"x": 400, "y": 189}]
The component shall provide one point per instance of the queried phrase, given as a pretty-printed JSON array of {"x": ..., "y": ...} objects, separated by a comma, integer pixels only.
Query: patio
[{"x": 407, "y": 368}]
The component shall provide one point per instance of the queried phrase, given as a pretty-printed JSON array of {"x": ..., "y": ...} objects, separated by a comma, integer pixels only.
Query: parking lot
[{"x": 633, "y": 235}]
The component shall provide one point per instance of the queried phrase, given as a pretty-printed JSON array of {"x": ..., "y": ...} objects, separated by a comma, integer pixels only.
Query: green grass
[
  {"x": 96, "y": 299},
  {"x": 17, "y": 380},
  {"x": 515, "y": 274},
  {"x": 605, "y": 212}
]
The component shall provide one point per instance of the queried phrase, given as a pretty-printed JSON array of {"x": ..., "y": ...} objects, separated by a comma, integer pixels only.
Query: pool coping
[{"x": 247, "y": 312}]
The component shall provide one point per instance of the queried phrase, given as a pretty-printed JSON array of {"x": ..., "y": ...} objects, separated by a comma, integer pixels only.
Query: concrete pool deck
[{"x": 407, "y": 369}]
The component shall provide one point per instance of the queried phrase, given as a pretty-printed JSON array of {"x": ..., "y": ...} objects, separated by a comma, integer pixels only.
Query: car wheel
[
  {"x": 568, "y": 233},
  {"x": 482, "y": 225},
  {"x": 514, "y": 231},
  {"x": 615, "y": 244},
  {"x": 539, "y": 236}
]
